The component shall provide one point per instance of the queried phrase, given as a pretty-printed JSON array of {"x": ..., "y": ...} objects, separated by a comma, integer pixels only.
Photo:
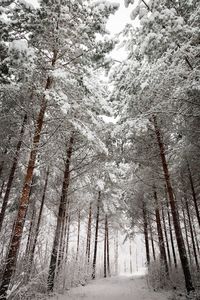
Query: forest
[{"x": 95, "y": 151}]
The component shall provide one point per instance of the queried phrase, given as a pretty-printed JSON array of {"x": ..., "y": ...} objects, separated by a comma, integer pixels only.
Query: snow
[
  {"x": 19, "y": 45},
  {"x": 115, "y": 288}
]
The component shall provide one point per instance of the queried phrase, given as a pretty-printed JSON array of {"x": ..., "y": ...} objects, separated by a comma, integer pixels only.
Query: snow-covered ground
[{"x": 115, "y": 288}]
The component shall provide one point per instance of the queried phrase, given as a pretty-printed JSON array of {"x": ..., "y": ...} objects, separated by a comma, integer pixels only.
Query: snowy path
[{"x": 116, "y": 288}]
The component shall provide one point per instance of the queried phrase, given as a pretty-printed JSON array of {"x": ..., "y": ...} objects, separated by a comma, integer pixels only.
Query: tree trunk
[
  {"x": 61, "y": 216},
  {"x": 32, "y": 251},
  {"x": 96, "y": 237},
  {"x": 177, "y": 227},
  {"x": 78, "y": 234},
  {"x": 28, "y": 244},
  {"x": 107, "y": 247},
  {"x": 89, "y": 234},
  {"x": 16, "y": 236},
  {"x": 191, "y": 232},
  {"x": 152, "y": 241},
  {"x": 171, "y": 234},
  {"x": 186, "y": 233},
  {"x": 161, "y": 243},
  {"x": 195, "y": 236},
  {"x": 12, "y": 173},
  {"x": 166, "y": 237},
  {"x": 145, "y": 224},
  {"x": 193, "y": 194}
]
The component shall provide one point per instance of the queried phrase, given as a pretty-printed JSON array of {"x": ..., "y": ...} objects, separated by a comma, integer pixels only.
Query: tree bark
[
  {"x": 96, "y": 238},
  {"x": 177, "y": 227},
  {"x": 61, "y": 216},
  {"x": 12, "y": 173},
  {"x": 163, "y": 255}
]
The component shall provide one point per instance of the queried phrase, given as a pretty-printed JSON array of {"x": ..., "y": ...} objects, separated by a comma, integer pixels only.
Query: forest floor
[{"x": 115, "y": 288}]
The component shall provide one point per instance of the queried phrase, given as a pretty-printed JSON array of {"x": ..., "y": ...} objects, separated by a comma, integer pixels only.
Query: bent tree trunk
[
  {"x": 61, "y": 216},
  {"x": 177, "y": 227},
  {"x": 12, "y": 173},
  {"x": 17, "y": 231},
  {"x": 96, "y": 238}
]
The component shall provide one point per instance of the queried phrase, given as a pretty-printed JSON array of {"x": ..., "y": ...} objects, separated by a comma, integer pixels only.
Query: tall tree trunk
[
  {"x": 145, "y": 224},
  {"x": 163, "y": 255},
  {"x": 152, "y": 241},
  {"x": 177, "y": 227},
  {"x": 191, "y": 232},
  {"x": 89, "y": 234},
  {"x": 193, "y": 193},
  {"x": 107, "y": 247},
  {"x": 12, "y": 173},
  {"x": 96, "y": 238},
  {"x": 195, "y": 236},
  {"x": 166, "y": 237},
  {"x": 78, "y": 234},
  {"x": 186, "y": 233},
  {"x": 32, "y": 251},
  {"x": 171, "y": 234},
  {"x": 16, "y": 236},
  {"x": 61, "y": 216}
]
